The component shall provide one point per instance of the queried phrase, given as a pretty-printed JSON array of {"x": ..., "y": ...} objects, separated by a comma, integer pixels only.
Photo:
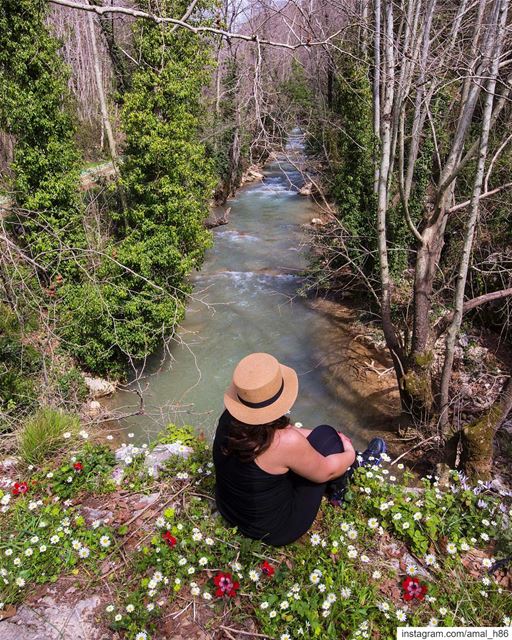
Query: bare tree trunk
[
  {"x": 382, "y": 194},
  {"x": 103, "y": 106},
  {"x": 376, "y": 88},
  {"x": 454, "y": 327}
]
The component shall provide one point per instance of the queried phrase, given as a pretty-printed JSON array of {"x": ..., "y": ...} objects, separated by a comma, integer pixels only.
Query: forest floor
[{"x": 96, "y": 546}]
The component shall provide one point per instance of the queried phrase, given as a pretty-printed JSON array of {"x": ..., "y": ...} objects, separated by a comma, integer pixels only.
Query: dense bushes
[
  {"x": 114, "y": 292},
  {"x": 34, "y": 110},
  {"x": 19, "y": 365},
  {"x": 139, "y": 292}
]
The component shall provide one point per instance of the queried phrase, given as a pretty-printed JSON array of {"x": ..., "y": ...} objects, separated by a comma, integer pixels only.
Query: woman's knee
[{"x": 326, "y": 440}]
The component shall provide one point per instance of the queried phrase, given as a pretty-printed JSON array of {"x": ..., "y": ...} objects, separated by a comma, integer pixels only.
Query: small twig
[
  {"x": 245, "y": 633},
  {"x": 436, "y": 437}
]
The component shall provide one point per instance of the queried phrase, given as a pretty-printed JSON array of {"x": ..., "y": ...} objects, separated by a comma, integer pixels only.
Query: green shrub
[{"x": 43, "y": 434}]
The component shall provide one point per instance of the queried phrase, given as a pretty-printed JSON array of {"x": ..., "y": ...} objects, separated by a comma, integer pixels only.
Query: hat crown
[{"x": 257, "y": 377}]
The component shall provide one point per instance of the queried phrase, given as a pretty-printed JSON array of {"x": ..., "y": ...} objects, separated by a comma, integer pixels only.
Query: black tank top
[{"x": 257, "y": 502}]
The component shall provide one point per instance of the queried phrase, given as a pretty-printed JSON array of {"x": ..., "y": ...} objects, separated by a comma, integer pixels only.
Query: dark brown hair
[{"x": 248, "y": 441}]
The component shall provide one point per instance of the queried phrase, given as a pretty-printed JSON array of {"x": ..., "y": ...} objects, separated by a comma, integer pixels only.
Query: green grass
[
  {"x": 43, "y": 434},
  {"x": 341, "y": 581}
]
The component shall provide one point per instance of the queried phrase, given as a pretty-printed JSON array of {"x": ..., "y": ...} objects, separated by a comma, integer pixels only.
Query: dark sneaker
[
  {"x": 336, "y": 497},
  {"x": 372, "y": 453}
]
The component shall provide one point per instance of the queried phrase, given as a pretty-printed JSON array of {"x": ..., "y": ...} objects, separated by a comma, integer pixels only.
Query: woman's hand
[{"x": 347, "y": 442}]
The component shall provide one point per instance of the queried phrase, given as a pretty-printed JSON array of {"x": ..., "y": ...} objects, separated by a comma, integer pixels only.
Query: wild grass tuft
[{"x": 43, "y": 434}]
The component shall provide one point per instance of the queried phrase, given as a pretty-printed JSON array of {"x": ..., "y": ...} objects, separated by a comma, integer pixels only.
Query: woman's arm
[{"x": 299, "y": 456}]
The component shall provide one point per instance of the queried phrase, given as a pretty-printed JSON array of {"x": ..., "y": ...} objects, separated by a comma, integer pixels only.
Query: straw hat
[{"x": 262, "y": 389}]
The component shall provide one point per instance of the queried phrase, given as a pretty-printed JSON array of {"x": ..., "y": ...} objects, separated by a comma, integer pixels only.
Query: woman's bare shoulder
[{"x": 290, "y": 438}]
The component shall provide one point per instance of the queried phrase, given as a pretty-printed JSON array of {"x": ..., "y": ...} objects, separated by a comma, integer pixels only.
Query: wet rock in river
[{"x": 99, "y": 387}]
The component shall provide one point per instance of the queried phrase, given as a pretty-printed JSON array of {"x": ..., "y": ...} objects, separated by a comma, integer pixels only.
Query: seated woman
[{"x": 271, "y": 476}]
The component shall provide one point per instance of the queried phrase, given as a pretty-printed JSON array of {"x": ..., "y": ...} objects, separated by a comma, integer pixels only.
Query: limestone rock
[
  {"x": 253, "y": 174},
  {"x": 306, "y": 189},
  {"x": 162, "y": 452},
  {"x": 49, "y": 619},
  {"x": 99, "y": 387},
  {"x": 93, "y": 408}
]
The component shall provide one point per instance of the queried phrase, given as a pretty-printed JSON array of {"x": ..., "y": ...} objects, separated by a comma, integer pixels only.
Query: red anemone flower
[
  {"x": 267, "y": 569},
  {"x": 78, "y": 466},
  {"x": 19, "y": 488},
  {"x": 413, "y": 589},
  {"x": 169, "y": 538},
  {"x": 225, "y": 585}
]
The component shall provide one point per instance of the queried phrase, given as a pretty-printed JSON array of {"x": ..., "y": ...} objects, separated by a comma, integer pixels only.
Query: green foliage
[
  {"x": 342, "y": 577},
  {"x": 297, "y": 90},
  {"x": 42, "y": 434},
  {"x": 41, "y": 540},
  {"x": 141, "y": 286},
  {"x": 94, "y": 475},
  {"x": 34, "y": 110},
  {"x": 19, "y": 366},
  {"x": 349, "y": 146}
]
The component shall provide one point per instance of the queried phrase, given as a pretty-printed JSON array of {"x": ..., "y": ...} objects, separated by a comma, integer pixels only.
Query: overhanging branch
[
  {"x": 136, "y": 13},
  {"x": 443, "y": 323}
]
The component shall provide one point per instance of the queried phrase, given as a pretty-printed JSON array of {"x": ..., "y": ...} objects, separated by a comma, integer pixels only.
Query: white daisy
[
  {"x": 314, "y": 577},
  {"x": 84, "y": 552},
  {"x": 315, "y": 539},
  {"x": 130, "y": 608},
  {"x": 105, "y": 541}
]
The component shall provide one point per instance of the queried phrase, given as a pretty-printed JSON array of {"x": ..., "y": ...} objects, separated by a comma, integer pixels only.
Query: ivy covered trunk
[{"x": 140, "y": 291}]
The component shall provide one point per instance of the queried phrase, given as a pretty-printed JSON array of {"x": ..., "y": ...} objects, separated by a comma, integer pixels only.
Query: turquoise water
[{"x": 245, "y": 300}]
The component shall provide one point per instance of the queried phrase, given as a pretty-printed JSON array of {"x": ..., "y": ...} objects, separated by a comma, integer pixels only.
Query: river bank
[{"x": 89, "y": 556}]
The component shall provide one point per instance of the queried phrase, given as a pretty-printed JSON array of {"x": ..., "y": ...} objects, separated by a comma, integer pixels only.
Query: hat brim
[{"x": 264, "y": 414}]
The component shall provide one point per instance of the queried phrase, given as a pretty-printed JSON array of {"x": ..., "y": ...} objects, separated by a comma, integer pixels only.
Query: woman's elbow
[{"x": 337, "y": 470}]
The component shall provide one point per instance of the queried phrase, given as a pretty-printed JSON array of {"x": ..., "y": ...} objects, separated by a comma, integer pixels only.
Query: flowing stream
[{"x": 246, "y": 300}]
